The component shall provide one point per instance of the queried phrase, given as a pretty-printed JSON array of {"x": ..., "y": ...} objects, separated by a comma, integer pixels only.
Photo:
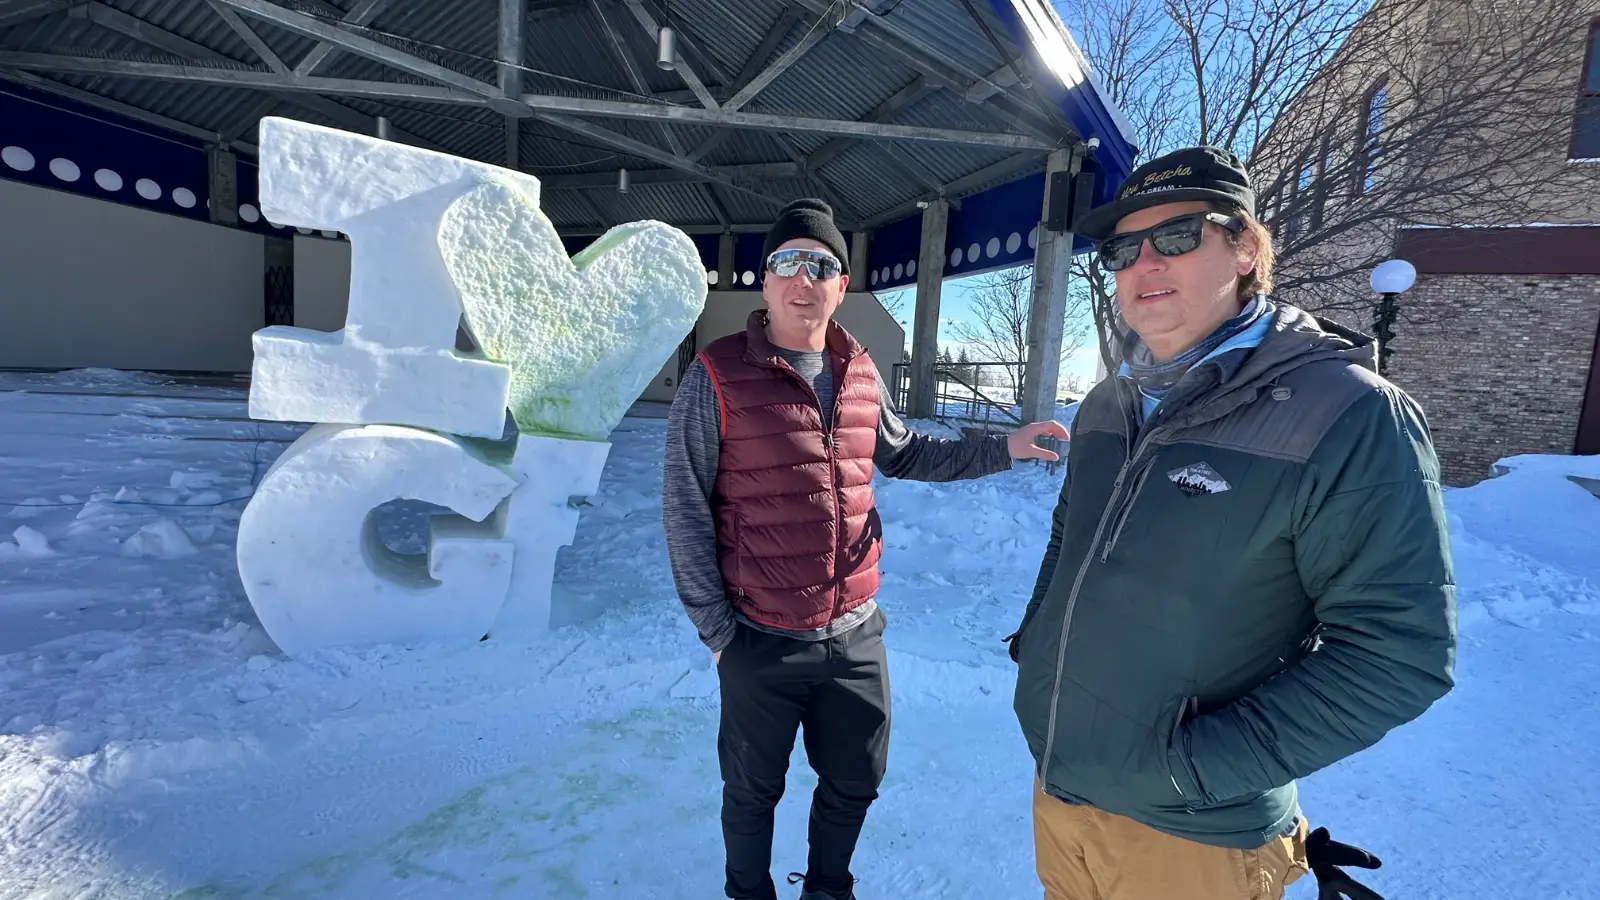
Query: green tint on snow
[{"x": 583, "y": 335}]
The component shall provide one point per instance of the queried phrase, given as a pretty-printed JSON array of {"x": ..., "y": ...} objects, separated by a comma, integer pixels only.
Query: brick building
[{"x": 1464, "y": 137}]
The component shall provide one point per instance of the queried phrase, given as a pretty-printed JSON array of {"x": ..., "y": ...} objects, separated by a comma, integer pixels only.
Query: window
[
  {"x": 1586, "y": 127},
  {"x": 1370, "y": 147},
  {"x": 1325, "y": 177},
  {"x": 1299, "y": 197}
]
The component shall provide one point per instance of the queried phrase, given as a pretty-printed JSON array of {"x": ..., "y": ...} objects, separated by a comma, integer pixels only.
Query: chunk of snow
[
  {"x": 1518, "y": 609},
  {"x": 183, "y": 480},
  {"x": 30, "y": 544},
  {"x": 27, "y": 509},
  {"x": 161, "y": 539},
  {"x": 251, "y": 691}
]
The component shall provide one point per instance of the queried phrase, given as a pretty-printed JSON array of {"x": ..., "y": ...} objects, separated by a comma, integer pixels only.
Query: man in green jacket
[{"x": 1248, "y": 577}]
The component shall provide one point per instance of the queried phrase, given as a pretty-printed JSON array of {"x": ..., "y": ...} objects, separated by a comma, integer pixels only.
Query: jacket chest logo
[{"x": 1198, "y": 478}]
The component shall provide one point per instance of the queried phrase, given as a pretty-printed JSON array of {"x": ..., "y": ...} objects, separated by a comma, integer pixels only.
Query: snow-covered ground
[{"x": 153, "y": 743}]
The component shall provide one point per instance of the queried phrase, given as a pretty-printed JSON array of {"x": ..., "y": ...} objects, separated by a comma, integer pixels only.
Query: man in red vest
[{"x": 775, "y": 538}]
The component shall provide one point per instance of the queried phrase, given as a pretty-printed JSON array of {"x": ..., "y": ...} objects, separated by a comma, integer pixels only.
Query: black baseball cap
[{"x": 1193, "y": 173}]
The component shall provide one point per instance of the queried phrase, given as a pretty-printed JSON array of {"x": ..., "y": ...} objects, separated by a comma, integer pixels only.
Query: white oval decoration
[
  {"x": 65, "y": 169},
  {"x": 17, "y": 158}
]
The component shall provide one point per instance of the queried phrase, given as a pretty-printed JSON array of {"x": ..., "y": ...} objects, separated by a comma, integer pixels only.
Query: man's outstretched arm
[{"x": 902, "y": 453}]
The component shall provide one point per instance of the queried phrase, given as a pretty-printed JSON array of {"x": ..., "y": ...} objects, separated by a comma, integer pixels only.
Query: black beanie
[{"x": 807, "y": 218}]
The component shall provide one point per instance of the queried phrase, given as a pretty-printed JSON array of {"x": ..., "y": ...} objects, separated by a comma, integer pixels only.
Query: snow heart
[{"x": 583, "y": 335}]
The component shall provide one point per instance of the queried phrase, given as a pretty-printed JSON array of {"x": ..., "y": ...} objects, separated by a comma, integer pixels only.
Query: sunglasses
[
  {"x": 1174, "y": 237},
  {"x": 817, "y": 264}
]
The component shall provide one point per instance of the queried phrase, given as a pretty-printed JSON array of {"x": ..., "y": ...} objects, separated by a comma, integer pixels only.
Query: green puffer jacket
[{"x": 1252, "y": 587}]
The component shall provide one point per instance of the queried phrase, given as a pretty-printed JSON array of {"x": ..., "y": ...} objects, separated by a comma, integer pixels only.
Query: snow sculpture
[{"x": 567, "y": 344}]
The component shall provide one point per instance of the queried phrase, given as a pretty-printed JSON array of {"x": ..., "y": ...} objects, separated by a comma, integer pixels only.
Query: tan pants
[{"x": 1083, "y": 853}]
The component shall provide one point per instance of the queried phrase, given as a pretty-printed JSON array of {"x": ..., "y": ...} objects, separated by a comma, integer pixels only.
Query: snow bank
[{"x": 1535, "y": 508}]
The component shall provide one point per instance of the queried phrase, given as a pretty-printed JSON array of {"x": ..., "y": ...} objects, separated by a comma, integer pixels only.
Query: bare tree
[
  {"x": 998, "y": 330},
  {"x": 1447, "y": 115},
  {"x": 1354, "y": 116},
  {"x": 894, "y": 303},
  {"x": 1134, "y": 51}
]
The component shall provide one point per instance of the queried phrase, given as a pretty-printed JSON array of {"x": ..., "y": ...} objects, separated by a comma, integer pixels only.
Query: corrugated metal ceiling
[{"x": 568, "y": 52}]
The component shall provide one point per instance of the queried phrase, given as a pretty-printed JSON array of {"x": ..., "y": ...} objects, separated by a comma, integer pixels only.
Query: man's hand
[
  {"x": 1021, "y": 442},
  {"x": 716, "y": 657}
]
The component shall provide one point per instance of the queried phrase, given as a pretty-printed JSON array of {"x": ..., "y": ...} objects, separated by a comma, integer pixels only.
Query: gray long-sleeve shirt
[{"x": 689, "y": 474}]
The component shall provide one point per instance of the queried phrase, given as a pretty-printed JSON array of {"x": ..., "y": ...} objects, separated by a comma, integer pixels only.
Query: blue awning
[
  {"x": 998, "y": 228},
  {"x": 1034, "y": 24}
]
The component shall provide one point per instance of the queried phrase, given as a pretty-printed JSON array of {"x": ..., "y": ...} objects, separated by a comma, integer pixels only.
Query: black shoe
[{"x": 796, "y": 878}]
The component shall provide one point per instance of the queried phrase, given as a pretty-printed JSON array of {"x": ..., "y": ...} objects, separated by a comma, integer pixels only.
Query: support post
[
  {"x": 1047, "y": 307},
  {"x": 727, "y": 278},
  {"x": 224, "y": 185},
  {"x": 277, "y": 281},
  {"x": 925, "y": 325},
  {"x": 513, "y": 143},
  {"x": 512, "y": 13},
  {"x": 859, "y": 276}
]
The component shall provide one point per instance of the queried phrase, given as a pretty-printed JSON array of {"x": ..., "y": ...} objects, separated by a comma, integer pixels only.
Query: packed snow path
[{"x": 153, "y": 743}]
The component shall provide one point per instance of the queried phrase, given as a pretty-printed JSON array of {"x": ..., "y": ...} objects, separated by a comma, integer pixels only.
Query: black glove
[
  {"x": 1325, "y": 855},
  {"x": 1012, "y": 640}
]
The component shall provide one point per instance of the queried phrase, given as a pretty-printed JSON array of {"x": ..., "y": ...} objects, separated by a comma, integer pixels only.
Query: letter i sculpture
[{"x": 566, "y": 344}]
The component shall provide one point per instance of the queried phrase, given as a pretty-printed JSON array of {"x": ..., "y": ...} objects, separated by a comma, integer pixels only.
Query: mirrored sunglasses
[
  {"x": 1174, "y": 237},
  {"x": 817, "y": 264}
]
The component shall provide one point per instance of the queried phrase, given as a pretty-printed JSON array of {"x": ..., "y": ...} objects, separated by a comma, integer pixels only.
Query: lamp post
[{"x": 1390, "y": 279}]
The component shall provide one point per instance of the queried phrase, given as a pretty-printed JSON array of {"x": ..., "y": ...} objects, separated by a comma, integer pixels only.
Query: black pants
[{"x": 838, "y": 690}]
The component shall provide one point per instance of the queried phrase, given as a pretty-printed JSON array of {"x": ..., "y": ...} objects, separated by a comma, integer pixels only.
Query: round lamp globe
[{"x": 1395, "y": 276}]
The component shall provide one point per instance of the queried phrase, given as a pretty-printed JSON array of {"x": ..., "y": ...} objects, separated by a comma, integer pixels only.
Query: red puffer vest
[{"x": 798, "y": 534}]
